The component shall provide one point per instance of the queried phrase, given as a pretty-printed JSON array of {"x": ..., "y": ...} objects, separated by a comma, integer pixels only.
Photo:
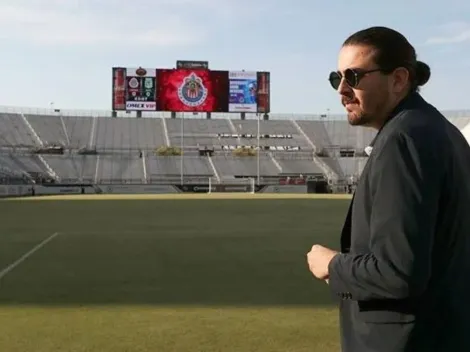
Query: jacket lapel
[{"x": 412, "y": 99}]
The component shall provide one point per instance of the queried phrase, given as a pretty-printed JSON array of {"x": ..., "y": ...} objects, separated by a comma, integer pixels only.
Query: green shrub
[
  {"x": 244, "y": 151},
  {"x": 168, "y": 151}
]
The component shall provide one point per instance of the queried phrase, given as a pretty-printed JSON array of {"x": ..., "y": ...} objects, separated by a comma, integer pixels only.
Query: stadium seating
[
  {"x": 343, "y": 135},
  {"x": 100, "y": 149},
  {"x": 228, "y": 166},
  {"x": 12, "y": 177},
  {"x": 352, "y": 166},
  {"x": 460, "y": 122},
  {"x": 196, "y": 132},
  {"x": 120, "y": 169},
  {"x": 73, "y": 168},
  {"x": 49, "y": 129},
  {"x": 13, "y": 131},
  {"x": 316, "y": 132},
  {"x": 127, "y": 134},
  {"x": 23, "y": 163},
  {"x": 160, "y": 167},
  {"x": 16, "y": 169},
  {"x": 79, "y": 131}
]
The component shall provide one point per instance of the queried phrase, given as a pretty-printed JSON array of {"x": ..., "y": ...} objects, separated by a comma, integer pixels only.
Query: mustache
[{"x": 347, "y": 100}]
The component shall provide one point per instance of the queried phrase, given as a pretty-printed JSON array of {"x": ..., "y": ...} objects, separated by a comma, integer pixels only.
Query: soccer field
[{"x": 193, "y": 274}]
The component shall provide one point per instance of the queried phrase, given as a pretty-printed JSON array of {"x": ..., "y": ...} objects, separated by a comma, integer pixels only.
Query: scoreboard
[
  {"x": 134, "y": 89},
  {"x": 187, "y": 89}
]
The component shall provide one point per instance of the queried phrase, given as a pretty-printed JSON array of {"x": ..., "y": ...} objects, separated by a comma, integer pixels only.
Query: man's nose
[{"x": 344, "y": 88}]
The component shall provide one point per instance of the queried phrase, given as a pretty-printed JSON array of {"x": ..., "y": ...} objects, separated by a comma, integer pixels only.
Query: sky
[{"x": 62, "y": 51}]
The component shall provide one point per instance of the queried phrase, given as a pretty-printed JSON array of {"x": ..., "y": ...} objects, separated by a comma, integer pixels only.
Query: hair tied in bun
[{"x": 423, "y": 73}]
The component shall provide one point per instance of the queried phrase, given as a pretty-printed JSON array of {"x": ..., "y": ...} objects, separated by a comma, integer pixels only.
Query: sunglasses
[{"x": 351, "y": 75}]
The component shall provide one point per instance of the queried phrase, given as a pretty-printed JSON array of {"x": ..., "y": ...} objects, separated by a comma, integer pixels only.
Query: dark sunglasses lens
[
  {"x": 335, "y": 80},
  {"x": 350, "y": 77}
]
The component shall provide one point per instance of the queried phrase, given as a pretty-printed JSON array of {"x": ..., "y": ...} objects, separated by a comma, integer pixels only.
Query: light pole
[
  {"x": 181, "y": 147},
  {"x": 258, "y": 153}
]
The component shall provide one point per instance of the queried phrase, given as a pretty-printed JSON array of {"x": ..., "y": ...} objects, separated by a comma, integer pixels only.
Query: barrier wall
[
  {"x": 219, "y": 188},
  {"x": 134, "y": 189},
  {"x": 38, "y": 190},
  {"x": 15, "y": 190},
  {"x": 285, "y": 189}
]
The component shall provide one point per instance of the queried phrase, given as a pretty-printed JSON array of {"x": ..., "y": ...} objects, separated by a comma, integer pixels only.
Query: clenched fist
[{"x": 318, "y": 260}]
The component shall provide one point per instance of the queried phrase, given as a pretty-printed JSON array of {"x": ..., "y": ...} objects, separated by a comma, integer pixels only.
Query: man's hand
[{"x": 318, "y": 260}]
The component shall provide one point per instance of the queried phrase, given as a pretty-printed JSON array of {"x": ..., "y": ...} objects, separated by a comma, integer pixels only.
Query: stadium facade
[{"x": 93, "y": 148}]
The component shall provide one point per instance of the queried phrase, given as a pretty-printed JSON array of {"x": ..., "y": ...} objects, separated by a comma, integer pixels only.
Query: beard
[
  {"x": 360, "y": 115},
  {"x": 359, "y": 118},
  {"x": 356, "y": 115}
]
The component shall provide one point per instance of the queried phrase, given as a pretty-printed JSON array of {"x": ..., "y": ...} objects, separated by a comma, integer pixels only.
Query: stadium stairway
[
  {"x": 275, "y": 162},
  {"x": 31, "y": 129},
  {"x": 165, "y": 130},
  {"x": 91, "y": 139},
  {"x": 144, "y": 166},
  {"x": 234, "y": 129},
  {"x": 326, "y": 169},
  {"x": 97, "y": 166},
  {"x": 50, "y": 171},
  {"x": 62, "y": 122},
  {"x": 211, "y": 163}
]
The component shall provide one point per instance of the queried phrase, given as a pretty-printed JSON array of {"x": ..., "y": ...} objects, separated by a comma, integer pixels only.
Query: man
[{"x": 403, "y": 273}]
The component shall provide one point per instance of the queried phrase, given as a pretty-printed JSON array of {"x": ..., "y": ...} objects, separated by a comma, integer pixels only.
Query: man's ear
[{"x": 399, "y": 79}]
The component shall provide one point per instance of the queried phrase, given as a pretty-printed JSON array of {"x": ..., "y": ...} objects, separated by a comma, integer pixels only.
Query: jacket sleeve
[{"x": 405, "y": 186}]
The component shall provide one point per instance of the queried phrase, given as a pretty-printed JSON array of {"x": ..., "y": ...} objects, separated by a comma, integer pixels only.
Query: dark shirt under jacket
[{"x": 403, "y": 275}]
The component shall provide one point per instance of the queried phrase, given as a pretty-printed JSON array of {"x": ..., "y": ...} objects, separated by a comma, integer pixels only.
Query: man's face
[{"x": 368, "y": 102}]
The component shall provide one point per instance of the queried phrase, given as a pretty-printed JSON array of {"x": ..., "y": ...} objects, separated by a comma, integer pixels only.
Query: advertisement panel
[
  {"x": 243, "y": 91},
  {"x": 285, "y": 189},
  {"x": 264, "y": 94},
  {"x": 192, "y": 90},
  {"x": 56, "y": 190},
  {"x": 119, "y": 88},
  {"x": 141, "y": 89},
  {"x": 135, "y": 189},
  {"x": 204, "y": 188}
]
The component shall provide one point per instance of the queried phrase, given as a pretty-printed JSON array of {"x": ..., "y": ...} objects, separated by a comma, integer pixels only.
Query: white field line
[{"x": 27, "y": 255}]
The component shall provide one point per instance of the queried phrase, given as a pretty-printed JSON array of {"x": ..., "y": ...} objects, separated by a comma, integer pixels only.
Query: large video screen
[
  {"x": 134, "y": 89},
  {"x": 243, "y": 91},
  {"x": 184, "y": 90},
  {"x": 190, "y": 90}
]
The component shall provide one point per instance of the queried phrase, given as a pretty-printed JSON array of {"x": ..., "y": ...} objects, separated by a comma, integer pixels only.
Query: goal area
[{"x": 237, "y": 185}]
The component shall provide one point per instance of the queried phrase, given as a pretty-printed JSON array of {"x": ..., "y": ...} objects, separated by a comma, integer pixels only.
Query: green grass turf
[{"x": 148, "y": 275}]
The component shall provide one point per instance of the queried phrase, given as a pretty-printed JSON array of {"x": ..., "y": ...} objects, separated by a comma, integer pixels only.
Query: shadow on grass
[
  {"x": 194, "y": 282},
  {"x": 209, "y": 253}
]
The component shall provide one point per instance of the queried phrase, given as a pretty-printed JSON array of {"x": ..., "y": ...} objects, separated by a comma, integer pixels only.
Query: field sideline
[
  {"x": 142, "y": 275},
  {"x": 185, "y": 196}
]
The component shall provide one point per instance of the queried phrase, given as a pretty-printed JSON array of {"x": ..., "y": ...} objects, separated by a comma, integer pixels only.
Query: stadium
[
  {"x": 193, "y": 130},
  {"x": 146, "y": 230},
  {"x": 98, "y": 150},
  {"x": 79, "y": 148}
]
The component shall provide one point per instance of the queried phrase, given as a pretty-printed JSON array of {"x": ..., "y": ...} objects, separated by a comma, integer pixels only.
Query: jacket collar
[{"x": 411, "y": 100}]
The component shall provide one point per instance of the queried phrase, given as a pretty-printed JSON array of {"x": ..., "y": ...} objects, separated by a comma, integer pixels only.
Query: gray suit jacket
[{"x": 403, "y": 275}]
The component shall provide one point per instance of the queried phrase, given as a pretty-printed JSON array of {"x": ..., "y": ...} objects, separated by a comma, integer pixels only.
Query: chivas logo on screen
[{"x": 192, "y": 91}]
